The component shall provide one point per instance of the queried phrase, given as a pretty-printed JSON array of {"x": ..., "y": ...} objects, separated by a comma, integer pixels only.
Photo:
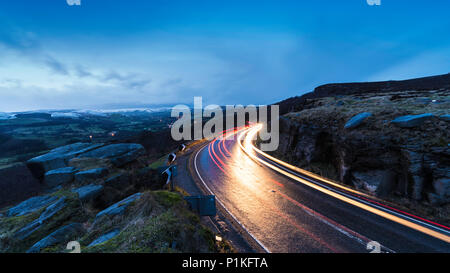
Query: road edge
[{"x": 238, "y": 228}]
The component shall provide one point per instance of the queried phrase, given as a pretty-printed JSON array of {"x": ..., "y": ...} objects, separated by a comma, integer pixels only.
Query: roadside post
[{"x": 174, "y": 173}]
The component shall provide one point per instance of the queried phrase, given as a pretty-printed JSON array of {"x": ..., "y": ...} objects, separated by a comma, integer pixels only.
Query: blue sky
[{"x": 56, "y": 56}]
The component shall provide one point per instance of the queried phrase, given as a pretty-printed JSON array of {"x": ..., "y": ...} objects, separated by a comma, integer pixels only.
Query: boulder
[
  {"x": 105, "y": 237},
  {"x": 49, "y": 212},
  {"x": 88, "y": 192},
  {"x": 119, "y": 207},
  {"x": 91, "y": 174},
  {"x": 357, "y": 120},
  {"x": 59, "y": 176},
  {"x": 62, "y": 235},
  {"x": 58, "y": 158},
  {"x": 31, "y": 205},
  {"x": 411, "y": 121},
  {"x": 118, "y": 154},
  {"x": 118, "y": 181}
]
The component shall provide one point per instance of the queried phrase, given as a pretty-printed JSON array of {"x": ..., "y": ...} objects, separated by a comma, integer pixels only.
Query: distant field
[{"x": 25, "y": 137}]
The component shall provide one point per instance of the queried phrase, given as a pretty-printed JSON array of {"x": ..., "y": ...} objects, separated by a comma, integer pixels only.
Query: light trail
[
  {"x": 214, "y": 156},
  {"x": 383, "y": 212}
]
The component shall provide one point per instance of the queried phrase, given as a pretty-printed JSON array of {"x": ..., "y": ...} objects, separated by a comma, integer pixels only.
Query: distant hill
[
  {"x": 335, "y": 89},
  {"x": 34, "y": 115}
]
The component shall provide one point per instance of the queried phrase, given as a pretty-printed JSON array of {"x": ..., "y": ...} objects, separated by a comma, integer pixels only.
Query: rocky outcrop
[
  {"x": 118, "y": 154},
  {"x": 411, "y": 121},
  {"x": 58, "y": 158},
  {"x": 426, "y": 84},
  {"x": 48, "y": 213},
  {"x": 59, "y": 176},
  {"x": 357, "y": 120},
  {"x": 88, "y": 192},
  {"x": 161, "y": 214},
  {"x": 90, "y": 175},
  {"x": 61, "y": 235},
  {"x": 31, "y": 205},
  {"x": 105, "y": 237},
  {"x": 119, "y": 207},
  {"x": 408, "y": 158}
]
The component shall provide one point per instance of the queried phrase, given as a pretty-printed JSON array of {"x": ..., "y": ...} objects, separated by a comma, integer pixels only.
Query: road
[{"x": 286, "y": 209}]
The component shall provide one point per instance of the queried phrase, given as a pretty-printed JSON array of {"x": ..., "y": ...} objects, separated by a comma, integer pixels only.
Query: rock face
[
  {"x": 357, "y": 120},
  {"x": 396, "y": 159},
  {"x": 118, "y": 154},
  {"x": 59, "y": 176},
  {"x": 411, "y": 121},
  {"x": 88, "y": 192},
  {"x": 31, "y": 205},
  {"x": 58, "y": 158},
  {"x": 61, "y": 235},
  {"x": 105, "y": 237},
  {"x": 119, "y": 207},
  {"x": 91, "y": 174}
]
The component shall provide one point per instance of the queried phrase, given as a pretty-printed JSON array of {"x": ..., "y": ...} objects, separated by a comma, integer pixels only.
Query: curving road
[{"x": 286, "y": 209}]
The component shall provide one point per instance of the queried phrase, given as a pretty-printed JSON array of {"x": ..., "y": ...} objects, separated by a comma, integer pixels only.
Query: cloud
[
  {"x": 55, "y": 65},
  {"x": 82, "y": 72},
  {"x": 22, "y": 41},
  {"x": 28, "y": 46},
  {"x": 10, "y": 83},
  {"x": 130, "y": 80}
]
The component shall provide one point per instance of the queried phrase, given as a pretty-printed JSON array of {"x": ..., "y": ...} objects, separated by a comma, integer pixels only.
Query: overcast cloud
[{"x": 55, "y": 56}]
